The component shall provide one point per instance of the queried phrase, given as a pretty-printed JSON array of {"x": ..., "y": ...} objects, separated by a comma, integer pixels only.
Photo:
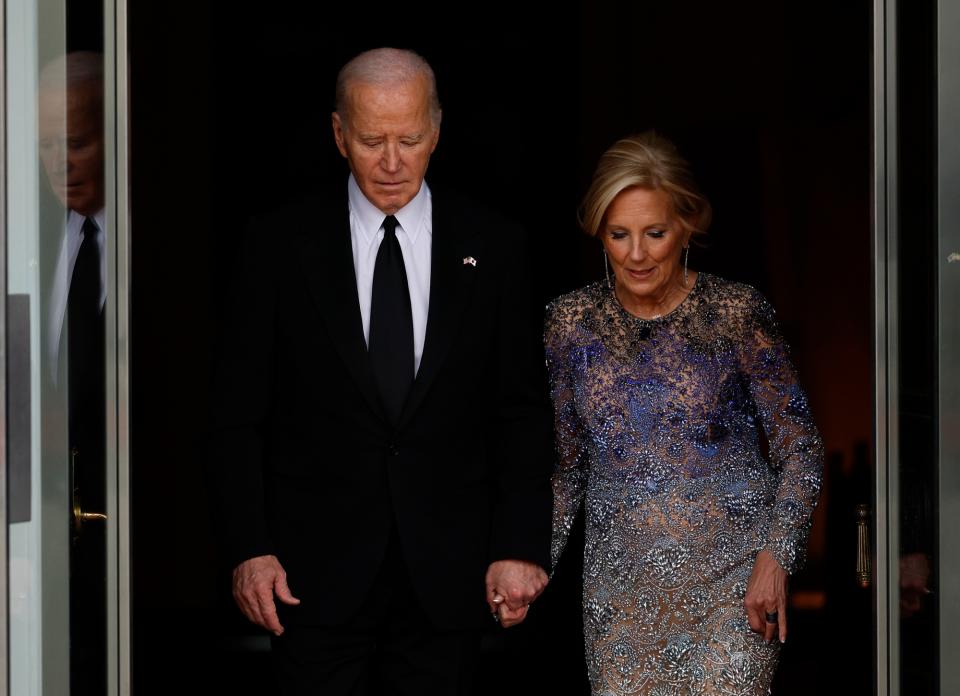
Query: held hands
[
  {"x": 767, "y": 595},
  {"x": 255, "y": 581},
  {"x": 511, "y": 586}
]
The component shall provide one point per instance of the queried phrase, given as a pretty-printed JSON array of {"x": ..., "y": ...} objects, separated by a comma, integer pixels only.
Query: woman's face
[{"x": 644, "y": 242}]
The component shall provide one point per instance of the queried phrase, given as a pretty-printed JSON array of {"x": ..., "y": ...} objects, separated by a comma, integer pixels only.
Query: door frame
[
  {"x": 886, "y": 412},
  {"x": 886, "y": 351},
  {"x": 117, "y": 122},
  {"x": 948, "y": 323},
  {"x": 116, "y": 125},
  {"x": 4, "y": 552}
]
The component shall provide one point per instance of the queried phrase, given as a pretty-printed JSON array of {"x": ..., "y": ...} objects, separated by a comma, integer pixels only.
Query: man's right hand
[{"x": 255, "y": 581}]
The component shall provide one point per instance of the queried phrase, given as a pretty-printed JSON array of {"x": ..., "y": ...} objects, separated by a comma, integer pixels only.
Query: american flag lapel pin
[{"x": 469, "y": 260}]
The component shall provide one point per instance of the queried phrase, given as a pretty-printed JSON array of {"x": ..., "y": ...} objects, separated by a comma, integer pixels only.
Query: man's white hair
[
  {"x": 387, "y": 66},
  {"x": 72, "y": 70}
]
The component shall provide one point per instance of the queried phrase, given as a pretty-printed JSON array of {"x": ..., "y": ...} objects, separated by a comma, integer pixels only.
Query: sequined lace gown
[{"x": 658, "y": 430}]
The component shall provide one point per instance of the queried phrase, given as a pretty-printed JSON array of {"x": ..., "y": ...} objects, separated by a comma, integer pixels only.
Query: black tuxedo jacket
[{"x": 304, "y": 462}]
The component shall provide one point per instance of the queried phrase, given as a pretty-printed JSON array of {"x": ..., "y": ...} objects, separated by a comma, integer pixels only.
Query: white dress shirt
[
  {"x": 415, "y": 234},
  {"x": 63, "y": 273}
]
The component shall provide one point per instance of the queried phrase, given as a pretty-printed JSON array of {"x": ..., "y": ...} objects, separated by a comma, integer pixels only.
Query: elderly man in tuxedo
[{"x": 381, "y": 451}]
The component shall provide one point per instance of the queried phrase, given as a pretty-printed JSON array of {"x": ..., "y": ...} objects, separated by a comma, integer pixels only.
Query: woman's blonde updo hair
[{"x": 647, "y": 161}]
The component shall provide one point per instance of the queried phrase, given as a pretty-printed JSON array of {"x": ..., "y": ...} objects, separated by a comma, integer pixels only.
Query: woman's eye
[
  {"x": 618, "y": 234},
  {"x": 656, "y": 234}
]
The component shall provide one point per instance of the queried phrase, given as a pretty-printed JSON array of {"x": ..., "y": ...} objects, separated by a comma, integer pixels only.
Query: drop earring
[
  {"x": 686, "y": 272},
  {"x": 606, "y": 270}
]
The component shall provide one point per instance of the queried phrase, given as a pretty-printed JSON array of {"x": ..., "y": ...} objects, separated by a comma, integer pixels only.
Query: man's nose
[
  {"x": 72, "y": 157},
  {"x": 391, "y": 157}
]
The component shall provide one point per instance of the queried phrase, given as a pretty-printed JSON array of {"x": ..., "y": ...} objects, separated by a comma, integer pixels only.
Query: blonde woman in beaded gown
[{"x": 664, "y": 382}]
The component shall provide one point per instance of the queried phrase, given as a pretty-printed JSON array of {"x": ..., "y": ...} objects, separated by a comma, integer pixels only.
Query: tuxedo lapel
[
  {"x": 327, "y": 259},
  {"x": 451, "y": 280}
]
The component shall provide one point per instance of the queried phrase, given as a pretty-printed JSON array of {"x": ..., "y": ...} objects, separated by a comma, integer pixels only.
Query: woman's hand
[{"x": 767, "y": 594}]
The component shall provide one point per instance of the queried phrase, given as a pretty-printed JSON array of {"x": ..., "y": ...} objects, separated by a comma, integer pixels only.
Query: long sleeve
[
  {"x": 795, "y": 446},
  {"x": 570, "y": 472}
]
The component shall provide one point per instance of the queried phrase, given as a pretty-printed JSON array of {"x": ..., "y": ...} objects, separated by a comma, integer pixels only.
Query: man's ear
[{"x": 338, "y": 135}]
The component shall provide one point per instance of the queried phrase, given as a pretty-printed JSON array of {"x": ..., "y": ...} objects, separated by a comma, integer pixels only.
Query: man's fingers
[
  {"x": 511, "y": 617},
  {"x": 268, "y": 610},
  {"x": 518, "y": 597},
  {"x": 519, "y": 582},
  {"x": 516, "y": 601},
  {"x": 494, "y": 599},
  {"x": 283, "y": 590},
  {"x": 254, "y": 583},
  {"x": 251, "y": 607}
]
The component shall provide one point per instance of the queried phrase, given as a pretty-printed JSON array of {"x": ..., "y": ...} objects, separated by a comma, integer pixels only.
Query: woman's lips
[{"x": 640, "y": 275}]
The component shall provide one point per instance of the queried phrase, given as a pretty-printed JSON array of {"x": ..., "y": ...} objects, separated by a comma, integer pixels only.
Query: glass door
[
  {"x": 62, "y": 336},
  {"x": 948, "y": 331},
  {"x": 918, "y": 341}
]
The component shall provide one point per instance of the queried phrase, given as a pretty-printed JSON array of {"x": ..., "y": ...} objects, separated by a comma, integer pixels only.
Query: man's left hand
[{"x": 511, "y": 586}]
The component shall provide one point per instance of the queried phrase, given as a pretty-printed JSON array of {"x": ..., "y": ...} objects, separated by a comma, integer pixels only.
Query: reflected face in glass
[
  {"x": 644, "y": 242},
  {"x": 71, "y": 146},
  {"x": 387, "y": 137}
]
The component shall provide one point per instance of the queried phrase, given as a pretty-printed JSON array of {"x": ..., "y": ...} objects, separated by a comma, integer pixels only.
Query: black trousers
[{"x": 389, "y": 648}]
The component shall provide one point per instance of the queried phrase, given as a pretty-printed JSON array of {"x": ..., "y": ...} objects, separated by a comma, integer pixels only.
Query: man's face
[
  {"x": 387, "y": 137},
  {"x": 71, "y": 146}
]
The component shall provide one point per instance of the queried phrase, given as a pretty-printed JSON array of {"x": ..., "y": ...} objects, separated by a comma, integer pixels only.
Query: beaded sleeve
[
  {"x": 795, "y": 446},
  {"x": 570, "y": 474}
]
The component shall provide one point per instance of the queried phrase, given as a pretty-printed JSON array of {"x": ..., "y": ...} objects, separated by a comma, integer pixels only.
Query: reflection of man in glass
[
  {"x": 71, "y": 130},
  {"x": 71, "y": 148}
]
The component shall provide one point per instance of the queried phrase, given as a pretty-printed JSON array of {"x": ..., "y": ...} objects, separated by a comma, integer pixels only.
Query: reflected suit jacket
[{"x": 304, "y": 463}]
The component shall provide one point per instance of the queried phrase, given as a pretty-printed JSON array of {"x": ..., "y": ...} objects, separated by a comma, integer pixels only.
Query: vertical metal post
[
  {"x": 116, "y": 34},
  {"x": 111, "y": 118},
  {"x": 4, "y": 554},
  {"x": 885, "y": 343},
  {"x": 948, "y": 213}
]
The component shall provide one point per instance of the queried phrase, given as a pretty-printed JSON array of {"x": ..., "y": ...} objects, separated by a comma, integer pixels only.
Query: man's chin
[
  {"x": 85, "y": 206},
  {"x": 391, "y": 203}
]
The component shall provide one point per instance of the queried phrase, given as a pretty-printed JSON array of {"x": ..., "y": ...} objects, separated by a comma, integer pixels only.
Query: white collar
[
  {"x": 370, "y": 218},
  {"x": 99, "y": 217}
]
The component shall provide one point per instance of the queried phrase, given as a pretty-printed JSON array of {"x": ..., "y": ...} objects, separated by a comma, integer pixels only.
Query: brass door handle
[
  {"x": 79, "y": 516},
  {"x": 863, "y": 546}
]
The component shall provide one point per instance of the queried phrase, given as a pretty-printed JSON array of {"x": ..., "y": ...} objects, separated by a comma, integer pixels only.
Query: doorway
[
  {"x": 774, "y": 104},
  {"x": 233, "y": 118}
]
